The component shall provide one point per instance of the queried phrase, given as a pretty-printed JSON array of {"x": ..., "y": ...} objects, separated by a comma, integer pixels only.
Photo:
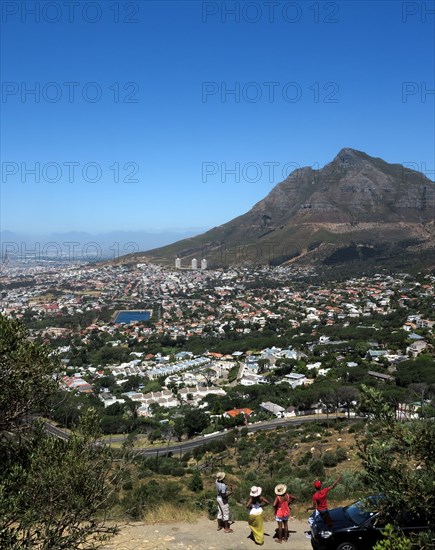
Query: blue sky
[{"x": 133, "y": 124}]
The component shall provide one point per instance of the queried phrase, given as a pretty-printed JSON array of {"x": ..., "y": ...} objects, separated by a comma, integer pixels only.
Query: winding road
[{"x": 186, "y": 446}]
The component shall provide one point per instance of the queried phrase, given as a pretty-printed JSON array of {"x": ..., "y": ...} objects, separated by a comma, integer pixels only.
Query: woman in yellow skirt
[{"x": 255, "y": 506}]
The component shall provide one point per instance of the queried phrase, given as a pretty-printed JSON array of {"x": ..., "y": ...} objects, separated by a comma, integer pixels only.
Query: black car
[{"x": 356, "y": 527}]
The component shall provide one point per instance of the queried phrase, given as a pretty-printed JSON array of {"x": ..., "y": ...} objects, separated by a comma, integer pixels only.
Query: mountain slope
[{"x": 356, "y": 206}]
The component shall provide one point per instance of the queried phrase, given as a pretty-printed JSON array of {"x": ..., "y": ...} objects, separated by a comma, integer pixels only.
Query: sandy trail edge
[{"x": 203, "y": 535}]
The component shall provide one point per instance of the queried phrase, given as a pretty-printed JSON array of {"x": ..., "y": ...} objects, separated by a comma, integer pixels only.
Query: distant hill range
[
  {"x": 356, "y": 208},
  {"x": 82, "y": 246}
]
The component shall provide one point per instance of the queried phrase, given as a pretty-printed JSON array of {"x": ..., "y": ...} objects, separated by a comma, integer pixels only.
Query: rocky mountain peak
[{"x": 355, "y": 201}]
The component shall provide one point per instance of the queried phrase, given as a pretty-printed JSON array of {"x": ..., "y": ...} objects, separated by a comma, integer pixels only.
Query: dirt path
[{"x": 203, "y": 536}]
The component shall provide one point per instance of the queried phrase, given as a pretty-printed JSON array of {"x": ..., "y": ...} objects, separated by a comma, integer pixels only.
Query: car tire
[{"x": 346, "y": 546}]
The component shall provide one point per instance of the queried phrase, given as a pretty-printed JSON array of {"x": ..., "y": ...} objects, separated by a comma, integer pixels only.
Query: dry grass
[{"x": 170, "y": 513}]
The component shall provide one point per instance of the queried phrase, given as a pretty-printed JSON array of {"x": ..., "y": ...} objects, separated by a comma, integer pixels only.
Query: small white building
[
  {"x": 416, "y": 347},
  {"x": 273, "y": 408},
  {"x": 252, "y": 379},
  {"x": 110, "y": 400},
  {"x": 295, "y": 379},
  {"x": 317, "y": 365}
]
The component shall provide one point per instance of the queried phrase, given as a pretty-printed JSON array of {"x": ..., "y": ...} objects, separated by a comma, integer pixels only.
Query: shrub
[
  {"x": 186, "y": 457},
  {"x": 350, "y": 486},
  {"x": 301, "y": 489},
  {"x": 230, "y": 438},
  {"x": 341, "y": 454},
  {"x": 199, "y": 452},
  {"x": 134, "y": 502},
  {"x": 316, "y": 468},
  {"x": 280, "y": 456},
  {"x": 168, "y": 466},
  {"x": 329, "y": 459},
  {"x": 357, "y": 427},
  {"x": 165, "y": 466},
  {"x": 217, "y": 446},
  {"x": 305, "y": 458},
  {"x": 393, "y": 541},
  {"x": 195, "y": 483},
  {"x": 127, "y": 486},
  {"x": 285, "y": 470},
  {"x": 303, "y": 473}
]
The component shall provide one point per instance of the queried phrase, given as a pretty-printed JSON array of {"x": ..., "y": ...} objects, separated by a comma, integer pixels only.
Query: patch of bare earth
[{"x": 203, "y": 535}]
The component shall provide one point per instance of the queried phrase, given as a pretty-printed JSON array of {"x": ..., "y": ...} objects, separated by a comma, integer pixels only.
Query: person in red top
[{"x": 320, "y": 499}]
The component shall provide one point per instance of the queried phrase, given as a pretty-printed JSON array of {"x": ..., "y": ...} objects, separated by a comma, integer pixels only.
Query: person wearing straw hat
[
  {"x": 255, "y": 506},
  {"x": 223, "y": 516},
  {"x": 282, "y": 510}
]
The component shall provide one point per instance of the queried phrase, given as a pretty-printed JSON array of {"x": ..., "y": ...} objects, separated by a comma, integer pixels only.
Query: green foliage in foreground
[
  {"x": 398, "y": 461},
  {"x": 53, "y": 492},
  {"x": 393, "y": 540},
  {"x": 27, "y": 377}
]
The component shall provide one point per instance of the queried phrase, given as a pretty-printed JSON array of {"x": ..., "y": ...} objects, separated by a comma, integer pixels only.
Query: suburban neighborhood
[{"x": 214, "y": 339}]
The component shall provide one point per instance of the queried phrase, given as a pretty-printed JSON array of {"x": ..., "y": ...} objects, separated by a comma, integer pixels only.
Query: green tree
[
  {"x": 329, "y": 398},
  {"x": 418, "y": 370},
  {"x": 178, "y": 428},
  {"x": 195, "y": 421},
  {"x": 398, "y": 462},
  {"x": 132, "y": 383},
  {"x": 28, "y": 377},
  {"x": 346, "y": 396},
  {"x": 373, "y": 403},
  {"x": 53, "y": 492},
  {"x": 65, "y": 408}
]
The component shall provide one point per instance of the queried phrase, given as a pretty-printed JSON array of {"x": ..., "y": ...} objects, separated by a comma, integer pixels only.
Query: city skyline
[{"x": 162, "y": 116}]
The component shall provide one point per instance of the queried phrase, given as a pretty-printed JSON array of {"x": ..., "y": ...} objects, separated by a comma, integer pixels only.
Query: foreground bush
[{"x": 54, "y": 493}]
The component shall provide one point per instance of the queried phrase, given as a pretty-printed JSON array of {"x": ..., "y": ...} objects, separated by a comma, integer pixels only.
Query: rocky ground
[{"x": 203, "y": 536}]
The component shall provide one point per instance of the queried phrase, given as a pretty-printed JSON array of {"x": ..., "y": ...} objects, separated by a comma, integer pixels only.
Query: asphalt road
[{"x": 186, "y": 446}]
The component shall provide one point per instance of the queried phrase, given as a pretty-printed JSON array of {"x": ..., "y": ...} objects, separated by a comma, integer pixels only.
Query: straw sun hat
[
  {"x": 255, "y": 491},
  {"x": 280, "y": 489}
]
